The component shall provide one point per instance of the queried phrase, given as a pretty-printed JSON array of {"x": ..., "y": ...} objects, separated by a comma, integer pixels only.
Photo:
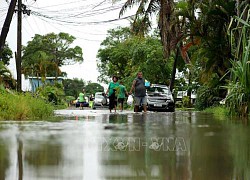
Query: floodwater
[{"x": 95, "y": 145}]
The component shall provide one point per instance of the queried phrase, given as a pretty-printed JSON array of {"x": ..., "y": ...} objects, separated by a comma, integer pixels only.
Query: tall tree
[
  {"x": 125, "y": 57},
  {"x": 92, "y": 88},
  {"x": 6, "y": 54},
  {"x": 48, "y": 53},
  {"x": 164, "y": 10},
  {"x": 72, "y": 87}
]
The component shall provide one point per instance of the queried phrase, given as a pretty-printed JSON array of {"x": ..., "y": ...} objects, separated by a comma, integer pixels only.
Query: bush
[
  {"x": 15, "y": 106},
  {"x": 52, "y": 94},
  {"x": 218, "y": 110},
  {"x": 206, "y": 97},
  {"x": 186, "y": 102}
]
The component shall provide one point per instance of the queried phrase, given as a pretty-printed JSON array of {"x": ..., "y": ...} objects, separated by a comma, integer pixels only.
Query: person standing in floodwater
[
  {"x": 82, "y": 98},
  {"x": 139, "y": 92},
  {"x": 111, "y": 92},
  {"x": 122, "y": 95}
]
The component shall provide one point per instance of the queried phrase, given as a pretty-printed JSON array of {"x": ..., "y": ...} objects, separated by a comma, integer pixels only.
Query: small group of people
[
  {"x": 117, "y": 93},
  {"x": 82, "y": 100}
]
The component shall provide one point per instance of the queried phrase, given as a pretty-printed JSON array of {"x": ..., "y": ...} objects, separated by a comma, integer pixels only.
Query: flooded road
[{"x": 94, "y": 144}]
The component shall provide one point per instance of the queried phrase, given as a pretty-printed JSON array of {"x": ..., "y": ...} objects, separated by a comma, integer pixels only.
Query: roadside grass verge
[
  {"x": 14, "y": 106},
  {"x": 218, "y": 111}
]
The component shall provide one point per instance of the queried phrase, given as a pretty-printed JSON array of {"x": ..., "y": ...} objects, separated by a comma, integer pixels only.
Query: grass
[
  {"x": 238, "y": 99},
  {"x": 218, "y": 110},
  {"x": 14, "y": 106}
]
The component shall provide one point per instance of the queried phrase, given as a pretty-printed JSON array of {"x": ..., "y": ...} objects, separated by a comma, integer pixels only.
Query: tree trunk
[
  {"x": 174, "y": 69},
  {"x": 165, "y": 26}
]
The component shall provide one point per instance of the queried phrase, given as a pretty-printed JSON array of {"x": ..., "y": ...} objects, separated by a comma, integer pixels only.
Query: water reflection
[
  {"x": 147, "y": 151},
  {"x": 181, "y": 145},
  {"x": 4, "y": 158}
]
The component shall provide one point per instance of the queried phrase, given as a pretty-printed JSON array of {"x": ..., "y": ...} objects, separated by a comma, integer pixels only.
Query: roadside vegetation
[
  {"x": 221, "y": 111},
  {"x": 14, "y": 106}
]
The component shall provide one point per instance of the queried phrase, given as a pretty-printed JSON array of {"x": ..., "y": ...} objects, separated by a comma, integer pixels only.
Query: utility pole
[
  {"x": 21, "y": 8},
  {"x": 6, "y": 25},
  {"x": 19, "y": 46}
]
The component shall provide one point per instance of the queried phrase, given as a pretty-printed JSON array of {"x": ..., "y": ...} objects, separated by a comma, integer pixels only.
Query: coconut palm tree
[{"x": 164, "y": 10}]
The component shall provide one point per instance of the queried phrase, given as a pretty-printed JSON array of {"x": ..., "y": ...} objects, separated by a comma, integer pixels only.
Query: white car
[
  {"x": 159, "y": 98},
  {"x": 100, "y": 99}
]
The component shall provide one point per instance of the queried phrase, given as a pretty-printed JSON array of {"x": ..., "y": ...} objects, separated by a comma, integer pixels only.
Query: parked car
[
  {"x": 100, "y": 99},
  {"x": 160, "y": 98},
  {"x": 85, "y": 104}
]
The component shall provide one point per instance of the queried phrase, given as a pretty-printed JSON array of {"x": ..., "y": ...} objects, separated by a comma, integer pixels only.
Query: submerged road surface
[{"x": 96, "y": 144}]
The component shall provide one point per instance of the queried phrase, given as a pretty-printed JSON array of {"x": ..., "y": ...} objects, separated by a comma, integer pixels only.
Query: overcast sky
[{"x": 87, "y": 20}]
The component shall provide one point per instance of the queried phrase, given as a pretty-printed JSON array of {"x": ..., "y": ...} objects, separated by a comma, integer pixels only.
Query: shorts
[
  {"x": 81, "y": 104},
  {"x": 121, "y": 100},
  {"x": 140, "y": 100}
]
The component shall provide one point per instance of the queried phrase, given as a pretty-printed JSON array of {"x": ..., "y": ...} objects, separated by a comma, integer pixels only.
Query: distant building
[
  {"x": 181, "y": 94},
  {"x": 36, "y": 82}
]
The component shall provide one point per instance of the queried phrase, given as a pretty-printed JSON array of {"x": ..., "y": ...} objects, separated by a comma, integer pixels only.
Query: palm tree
[{"x": 164, "y": 10}]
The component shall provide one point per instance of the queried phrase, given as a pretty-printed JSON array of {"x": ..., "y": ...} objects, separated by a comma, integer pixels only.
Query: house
[
  {"x": 36, "y": 82},
  {"x": 181, "y": 94}
]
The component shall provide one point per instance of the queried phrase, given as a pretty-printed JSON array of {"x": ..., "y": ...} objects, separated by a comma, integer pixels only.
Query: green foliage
[
  {"x": 218, "y": 110},
  {"x": 186, "y": 102},
  {"x": 72, "y": 87},
  {"x": 211, "y": 55},
  {"x": 69, "y": 99},
  {"x": 52, "y": 94},
  {"x": 4, "y": 158},
  {"x": 6, "y": 77},
  {"x": 45, "y": 54},
  {"x": 15, "y": 106},
  {"x": 6, "y": 55},
  {"x": 92, "y": 88},
  {"x": 238, "y": 98},
  {"x": 206, "y": 97},
  {"x": 125, "y": 55}
]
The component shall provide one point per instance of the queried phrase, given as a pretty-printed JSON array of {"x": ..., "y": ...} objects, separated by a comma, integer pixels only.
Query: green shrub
[
  {"x": 186, "y": 102},
  {"x": 206, "y": 97},
  {"x": 218, "y": 110},
  {"x": 53, "y": 94},
  {"x": 238, "y": 98},
  {"x": 15, "y": 106}
]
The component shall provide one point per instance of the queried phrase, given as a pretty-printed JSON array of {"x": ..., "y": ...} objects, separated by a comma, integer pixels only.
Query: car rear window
[{"x": 158, "y": 89}]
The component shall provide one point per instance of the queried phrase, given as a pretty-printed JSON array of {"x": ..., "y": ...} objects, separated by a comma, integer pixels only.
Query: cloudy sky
[{"x": 87, "y": 20}]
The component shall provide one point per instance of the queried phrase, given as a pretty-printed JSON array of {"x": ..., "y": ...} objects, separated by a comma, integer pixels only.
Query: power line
[
  {"x": 81, "y": 15},
  {"x": 56, "y": 5}
]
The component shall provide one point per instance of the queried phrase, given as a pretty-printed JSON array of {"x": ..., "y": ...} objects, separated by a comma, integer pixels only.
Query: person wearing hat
[{"x": 111, "y": 92}]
